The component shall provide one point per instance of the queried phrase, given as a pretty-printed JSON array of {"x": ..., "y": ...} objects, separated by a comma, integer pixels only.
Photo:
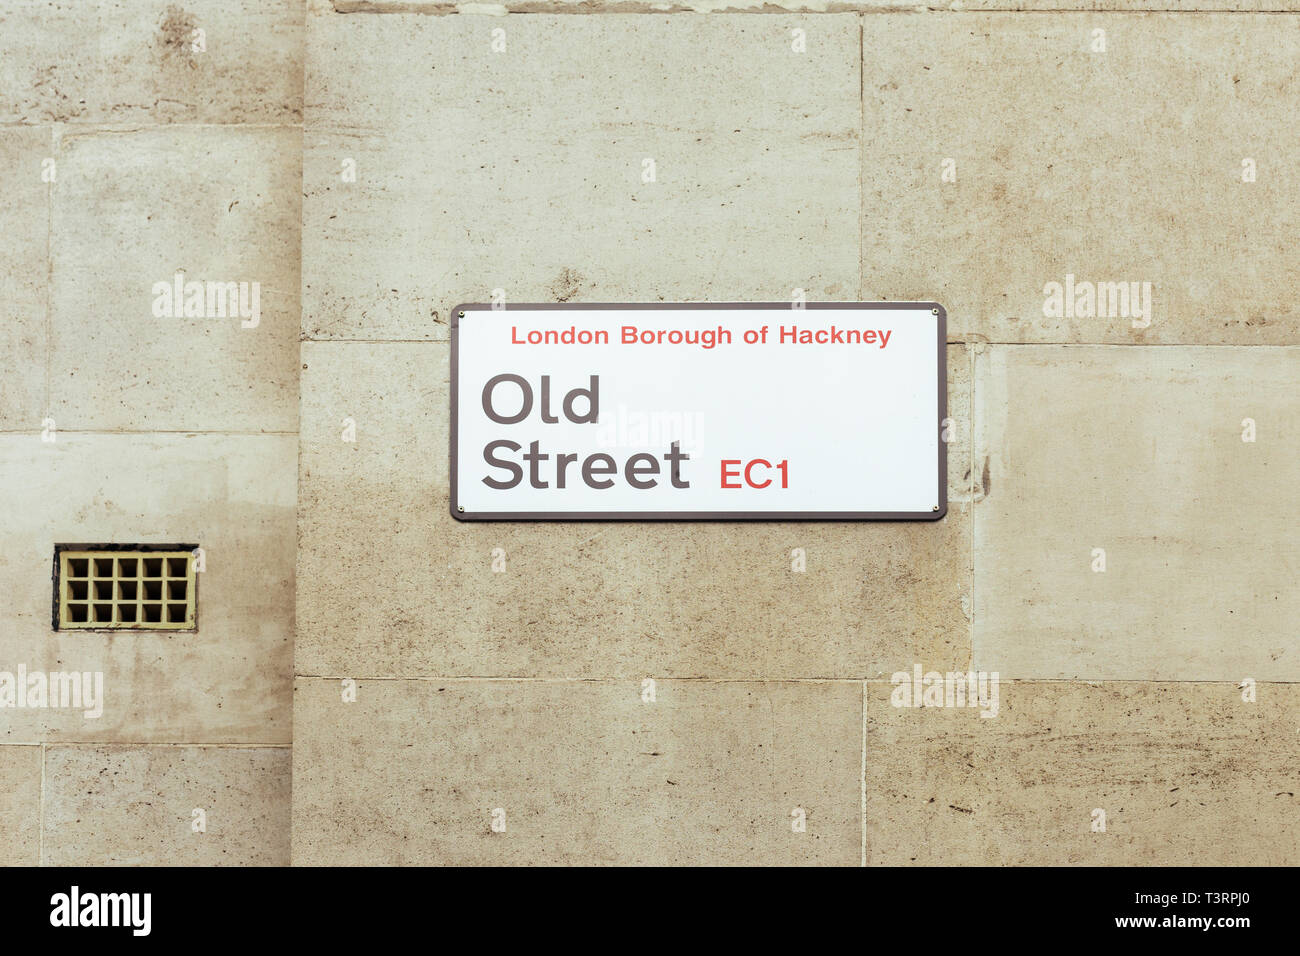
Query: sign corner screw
[
  {"x": 935, "y": 508},
  {"x": 462, "y": 508},
  {"x": 460, "y": 314},
  {"x": 932, "y": 312}
]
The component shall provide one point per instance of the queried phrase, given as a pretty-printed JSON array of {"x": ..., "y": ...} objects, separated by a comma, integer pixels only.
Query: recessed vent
[{"x": 124, "y": 587}]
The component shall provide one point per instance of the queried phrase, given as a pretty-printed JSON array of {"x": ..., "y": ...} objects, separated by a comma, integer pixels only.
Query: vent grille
[{"x": 138, "y": 587}]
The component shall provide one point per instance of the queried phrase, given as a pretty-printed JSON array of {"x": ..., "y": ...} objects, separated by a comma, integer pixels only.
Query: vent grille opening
[{"x": 131, "y": 587}]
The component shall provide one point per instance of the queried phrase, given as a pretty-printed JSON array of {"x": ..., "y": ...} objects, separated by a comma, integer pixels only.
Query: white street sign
[{"x": 683, "y": 412}]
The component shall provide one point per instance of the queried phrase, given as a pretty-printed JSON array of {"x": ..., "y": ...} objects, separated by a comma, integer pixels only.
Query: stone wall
[
  {"x": 130, "y": 156},
  {"x": 657, "y": 693}
]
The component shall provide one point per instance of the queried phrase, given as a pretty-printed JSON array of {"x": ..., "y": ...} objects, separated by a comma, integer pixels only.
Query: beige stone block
[
  {"x": 523, "y": 170},
  {"x": 1188, "y": 774},
  {"x": 20, "y": 806},
  {"x": 584, "y": 772},
  {"x": 1137, "y": 452},
  {"x": 389, "y": 585},
  {"x": 1123, "y": 166},
  {"x": 229, "y": 681},
  {"x": 1175, "y": 6},
  {"x": 134, "y": 209},
  {"x": 109, "y": 61},
  {"x": 24, "y": 272},
  {"x": 767, "y": 6},
  {"x": 134, "y": 806}
]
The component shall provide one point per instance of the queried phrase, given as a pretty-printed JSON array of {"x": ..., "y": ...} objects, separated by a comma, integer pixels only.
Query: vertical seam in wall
[
  {"x": 297, "y": 458},
  {"x": 55, "y": 144},
  {"x": 864, "y": 774},
  {"x": 970, "y": 494},
  {"x": 297, "y": 474},
  {"x": 40, "y": 815},
  {"x": 862, "y": 134}
]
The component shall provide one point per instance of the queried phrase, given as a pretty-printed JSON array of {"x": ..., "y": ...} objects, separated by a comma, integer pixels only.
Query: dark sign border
[{"x": 941, "y": 344}]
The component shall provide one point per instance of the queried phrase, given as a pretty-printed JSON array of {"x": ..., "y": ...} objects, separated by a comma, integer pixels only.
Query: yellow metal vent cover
[{"x": 124, "y": 587}]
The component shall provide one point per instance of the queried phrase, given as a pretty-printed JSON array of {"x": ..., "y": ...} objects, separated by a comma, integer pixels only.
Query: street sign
[{"x": 698, "y": 411}]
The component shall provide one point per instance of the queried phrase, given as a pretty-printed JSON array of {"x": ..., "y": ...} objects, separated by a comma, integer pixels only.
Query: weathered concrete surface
[
  {"x": 445, "y": 7},
  {"x": 20, "y": 806},
  {"x": 129, "y": 212},
  {"x": 106, "y": 194},
  {"x": 585, "y": 772},
  {"x": 105, "y": 61},
  {"x": 24, "y": 275},
  {"x": 134, "y": 806},
  {"x": 774, "y": 170},
  {"x": 1187, "y": 774},
  {"x": 1137, "y": 452},
  {"x": 1111, "y": 167},
  {"x": 230, "y": 680},
  {"x": 523, "y": 170},
  {"x": 582, "y": 600}
]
